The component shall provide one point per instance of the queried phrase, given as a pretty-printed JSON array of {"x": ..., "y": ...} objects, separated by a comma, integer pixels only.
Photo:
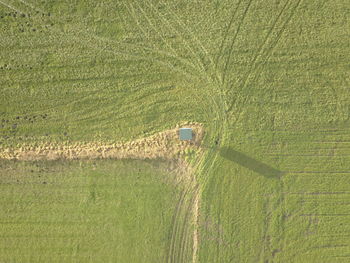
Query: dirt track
[{"x": 164, "y": 145}]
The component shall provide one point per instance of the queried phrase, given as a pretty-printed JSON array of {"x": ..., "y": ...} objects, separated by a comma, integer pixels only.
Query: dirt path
[
  {"x": 195, "y": 234},
  {"x": 165, "y": 145}
]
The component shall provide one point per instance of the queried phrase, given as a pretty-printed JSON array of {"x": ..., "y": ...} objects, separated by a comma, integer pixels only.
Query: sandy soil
[{"x": 164, "y": 145}]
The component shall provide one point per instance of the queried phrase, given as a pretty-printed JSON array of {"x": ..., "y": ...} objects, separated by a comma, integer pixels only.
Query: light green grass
[
  {"x": 269, "y": 80},
  {"x": 105, "y": 211}
]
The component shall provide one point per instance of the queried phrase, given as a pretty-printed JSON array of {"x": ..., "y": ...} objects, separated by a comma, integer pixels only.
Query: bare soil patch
[{"x": 165, "y": 145}]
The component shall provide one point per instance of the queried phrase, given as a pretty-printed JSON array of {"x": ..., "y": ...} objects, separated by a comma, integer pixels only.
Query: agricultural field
[
  {"x": 86, "y": 211},
  {"x": 267, "y": 80}
]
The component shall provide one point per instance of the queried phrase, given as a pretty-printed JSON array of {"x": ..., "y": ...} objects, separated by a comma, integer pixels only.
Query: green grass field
[
  {"x": 105, "y": 211},
  {"x": 268, "y": 79}
]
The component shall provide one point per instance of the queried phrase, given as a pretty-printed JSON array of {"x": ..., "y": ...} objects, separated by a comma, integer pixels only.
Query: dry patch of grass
[
  {"x": 165, "y": 145},
  {"x": 162, "y": 145}
]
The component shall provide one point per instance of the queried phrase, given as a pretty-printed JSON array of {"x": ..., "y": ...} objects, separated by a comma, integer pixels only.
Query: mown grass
[
  {"x": 279, "y": 189},
  {"x": 104, "y": 211},
  {"x": 269, "y": 80}
]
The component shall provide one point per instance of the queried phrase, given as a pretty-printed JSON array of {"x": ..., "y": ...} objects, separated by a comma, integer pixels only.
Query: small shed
[{"x": 185, "y": 134}]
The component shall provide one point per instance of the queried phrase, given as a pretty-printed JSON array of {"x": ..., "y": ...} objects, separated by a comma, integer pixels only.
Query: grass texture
[{"x": 269, "y": 80}]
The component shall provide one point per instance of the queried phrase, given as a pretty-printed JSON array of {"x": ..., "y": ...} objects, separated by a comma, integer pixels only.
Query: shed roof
[{"x": 185, "y": 133}]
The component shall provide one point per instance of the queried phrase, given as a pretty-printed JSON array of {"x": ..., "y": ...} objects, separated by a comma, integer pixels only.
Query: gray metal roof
[{"x": 185, "y": 134}]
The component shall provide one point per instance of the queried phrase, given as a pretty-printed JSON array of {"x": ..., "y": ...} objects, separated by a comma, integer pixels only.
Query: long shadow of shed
[{"x": 250, "y": 163}]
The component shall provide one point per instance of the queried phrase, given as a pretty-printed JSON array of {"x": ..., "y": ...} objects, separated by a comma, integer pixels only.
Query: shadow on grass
[{"x": 250, "y": 163}]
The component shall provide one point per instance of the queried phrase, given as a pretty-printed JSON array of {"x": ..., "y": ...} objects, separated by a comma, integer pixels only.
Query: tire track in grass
[
  {"x": 87, "y": 41},
  {"x": 143, "y": 48},
  {"x": 203, "y": 167},
  {"x": 253, "y": 66},
  {"x": 195, "y": 220},
  {"x": 195, "y": 239},
  {"x": 252, "y": 63},
  {"x": 124, "y": 55},
  {"x": 195, "y": 193},
  {"x": 174, "y": 231},
  {"x": 158, "y": 61},
  {"x": 179, "y": 225},
  {"x": 219, "y": 190},
  {"x": 251, "y": 69},
  {"x": 220, "y": 194},
  {"x": 268, "y": 35},
  {"x": 181, "y": 231},
  {"x": 86, "y": 96},
  {"x": 190, "y": 33},
  {"x": 282, "y": 198},
  {"x": 208, "y": 161},
  {"x": 186, "y": 43},
  {"x": 153, "y": 27},
  {"x": 282, "y": 203},
  {"x": 11, "y": 7},
  {"x": 268, "y": 51},
  {"x": 159, "y": 33},
  {"x": 220, "y": 53},
  {"x": 31, "y": 6},
  {"x": 184, "y": 236},
  {"x": 131, "y": 11},
  {"x": 199, "y": 43},
  {"x": 224, "y": 73},
  {"x": 168, "y": 65}
]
